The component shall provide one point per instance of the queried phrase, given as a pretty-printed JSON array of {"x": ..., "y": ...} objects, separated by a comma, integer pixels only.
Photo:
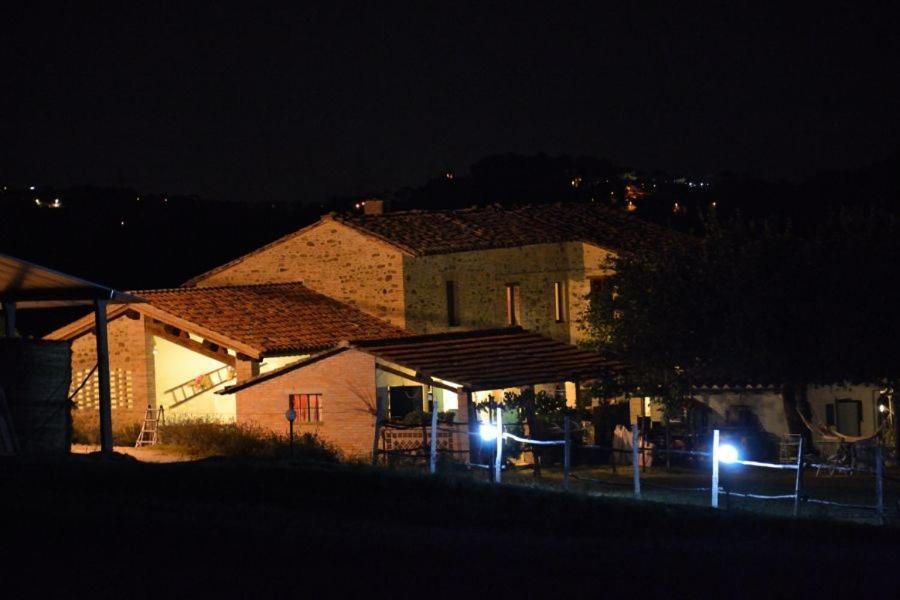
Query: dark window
[
  {"x": 512, "y": 304},
  {"x": 405, "y": 399},
  {"x": 308, "y": 407},
  {"x": 559, "y": 301},
  {"x": 829, "y": 415},
  {"x": 452, "y": 317}
]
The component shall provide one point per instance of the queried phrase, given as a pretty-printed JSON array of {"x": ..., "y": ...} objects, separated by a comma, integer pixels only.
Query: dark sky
[{"x": 310, "y": 100}]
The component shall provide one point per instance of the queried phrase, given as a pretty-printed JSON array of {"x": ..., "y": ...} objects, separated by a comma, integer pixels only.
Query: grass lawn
[{"x": 118, "y": 528}]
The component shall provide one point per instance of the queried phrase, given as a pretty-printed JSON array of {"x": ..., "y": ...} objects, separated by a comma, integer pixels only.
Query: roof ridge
[{"x": 224, "y": 287}]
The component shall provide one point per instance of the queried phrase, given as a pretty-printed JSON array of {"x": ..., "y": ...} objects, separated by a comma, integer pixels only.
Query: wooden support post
[
  {"x": 9, "y": 318},
  {"x": 106, "y": 440},
  {"x": 714, "y": 491},
  {"x": 567, "y": 451},
  {"x": 798, "y": 480},
  {"x": 432, "y": 463},
  {"x": 379, "y": 417},
  {"x": 472, "y": 425},
  {"x": 879, "y": 485},
  {"x": 635, "y": 462},
  {"x": 498, "y": 458}
]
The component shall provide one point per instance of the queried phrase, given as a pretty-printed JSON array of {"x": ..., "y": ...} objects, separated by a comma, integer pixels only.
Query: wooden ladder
[{"x": 149, "y": 435}]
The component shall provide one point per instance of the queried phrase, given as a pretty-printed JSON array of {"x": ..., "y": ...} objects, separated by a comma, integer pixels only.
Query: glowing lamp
[
  {"x": 882, "y": 408},
  {"x": 728, "y": 454},
  {"x": 488, "y": 432}
]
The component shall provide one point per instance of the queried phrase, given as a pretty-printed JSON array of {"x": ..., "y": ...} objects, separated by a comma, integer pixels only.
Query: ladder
[{"x": 149, "y": 435}]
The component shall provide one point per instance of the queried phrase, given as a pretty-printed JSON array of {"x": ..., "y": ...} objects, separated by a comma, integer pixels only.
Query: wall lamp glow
[{"x": 488, "y": 431}]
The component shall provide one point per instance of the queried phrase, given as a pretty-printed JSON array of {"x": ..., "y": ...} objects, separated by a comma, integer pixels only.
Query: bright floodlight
[
  {"x": 728, "y": 453},
  {"x": 488, "y": 431}
]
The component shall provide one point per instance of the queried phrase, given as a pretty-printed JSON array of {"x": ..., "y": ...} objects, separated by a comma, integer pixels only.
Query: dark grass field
[{"x": 116, "y": 528}]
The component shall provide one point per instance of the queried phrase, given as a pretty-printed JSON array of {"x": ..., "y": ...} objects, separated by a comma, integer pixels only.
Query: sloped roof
[
  {"x": 421, "y": 233},
  {"x": 446, "y": 231},
  {"x": 268, "y": 318},
  {"x": 478, "y": 360}
]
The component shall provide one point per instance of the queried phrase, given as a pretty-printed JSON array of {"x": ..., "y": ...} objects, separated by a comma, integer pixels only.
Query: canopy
[{"x": 28, "y": 285}]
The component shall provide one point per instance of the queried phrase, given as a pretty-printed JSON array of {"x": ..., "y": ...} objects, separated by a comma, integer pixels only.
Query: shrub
[
  {"x": 199, "y": 437},
  {"x": 86, "y": 429}
]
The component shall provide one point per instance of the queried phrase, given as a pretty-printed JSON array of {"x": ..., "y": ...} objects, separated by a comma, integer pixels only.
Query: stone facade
[
  {"x": 131, "y": 368},
  {"x": 346, "y": 382},
  {"x": 332, "y": 259},
  {"x": 480, "y": 279}
]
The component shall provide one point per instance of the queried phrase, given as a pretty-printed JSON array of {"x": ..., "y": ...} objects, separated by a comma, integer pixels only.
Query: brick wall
[
  {"x": 332, "y": 259},
  {"x": 131, "y": 370},
  {"x": 347, "y": 384}
]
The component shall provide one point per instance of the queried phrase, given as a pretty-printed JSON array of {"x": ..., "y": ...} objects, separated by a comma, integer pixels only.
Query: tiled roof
[
  {"x": 486, "y": 359},
  {"x": 446, "y": 231},
  {"x": 285, "y": 317},
  {"x": 257, "y": 319}
]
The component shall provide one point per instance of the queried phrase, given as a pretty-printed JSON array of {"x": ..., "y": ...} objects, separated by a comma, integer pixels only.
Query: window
[
  {"x": 308, "y": 407},
  {"x": 512, "y": 304},
  {"x": 559, "y": 301},
  {"x": 404, "y": 399},
  {"x": 452, "y": 317}
]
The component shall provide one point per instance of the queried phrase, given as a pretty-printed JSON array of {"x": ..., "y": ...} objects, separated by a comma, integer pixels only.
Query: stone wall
[
  {"x": 481, "y": 277},
  {"x": 332, "y": 259},
  {"x": 347, "y": 384},
  {"x": 131, "y": 370}
]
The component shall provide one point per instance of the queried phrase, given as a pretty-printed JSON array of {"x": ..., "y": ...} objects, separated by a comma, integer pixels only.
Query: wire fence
[{"x": 486, "y": 443}]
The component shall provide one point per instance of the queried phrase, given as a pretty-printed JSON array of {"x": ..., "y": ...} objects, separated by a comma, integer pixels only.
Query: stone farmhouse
[{"x": 381, "y": 312}]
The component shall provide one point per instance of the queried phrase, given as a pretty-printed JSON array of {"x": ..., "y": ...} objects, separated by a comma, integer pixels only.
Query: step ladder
[{"x": 149, "y": 435}]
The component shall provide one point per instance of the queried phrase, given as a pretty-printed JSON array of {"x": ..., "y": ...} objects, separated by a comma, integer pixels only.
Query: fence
[{"x": 720, "y": 454}]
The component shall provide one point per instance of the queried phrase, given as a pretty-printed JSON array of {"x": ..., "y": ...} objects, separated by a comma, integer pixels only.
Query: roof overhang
[{"x": 28, "y": 285}]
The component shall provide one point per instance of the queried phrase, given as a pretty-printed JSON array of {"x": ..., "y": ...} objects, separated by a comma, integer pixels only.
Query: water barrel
[{"x": 35, "y": 376}]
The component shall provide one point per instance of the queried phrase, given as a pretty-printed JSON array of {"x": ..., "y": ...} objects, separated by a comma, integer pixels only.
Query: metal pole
[
  {"x": 879, "y": 485},
  {"x": 498, "y": 458},
  {"x": 798, "y": 481},
  {"x": 106, "y": 440},
  {"x": 567, "y": 452},
  {"x": 635, "y": 462},
  {"x": 291, "y": 428},
  {"x": 432, "y": 464},
  {"x": 379, "y": 417},
  {"x": 9, "y": 316},
  {"x": 714, "y": 498}
]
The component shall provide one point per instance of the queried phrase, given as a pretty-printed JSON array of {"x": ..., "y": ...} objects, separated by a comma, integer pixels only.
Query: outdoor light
[
  {"x": 882, "y": 408},
  {"x": 728, "y": 453},
  {"x": 488, "y": 431}
]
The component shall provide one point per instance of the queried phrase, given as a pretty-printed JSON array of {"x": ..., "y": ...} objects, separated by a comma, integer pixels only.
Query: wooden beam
[
  {"x": 185, "y": 341},
  {"x": 418, "y": 378}
]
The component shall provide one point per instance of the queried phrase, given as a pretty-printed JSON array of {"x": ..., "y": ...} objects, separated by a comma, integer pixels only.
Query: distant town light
[
  {"x": 31, "y": 187},
  {"x": 37, "y": 201}
]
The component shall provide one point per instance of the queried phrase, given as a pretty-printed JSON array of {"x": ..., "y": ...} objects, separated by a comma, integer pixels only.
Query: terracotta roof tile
[
  {"x": 273, "y": 318},
  {"x": 441, "y": 232}
]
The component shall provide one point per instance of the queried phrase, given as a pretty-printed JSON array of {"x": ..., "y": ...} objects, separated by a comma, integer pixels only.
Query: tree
[{"x": 758, "y": 302}]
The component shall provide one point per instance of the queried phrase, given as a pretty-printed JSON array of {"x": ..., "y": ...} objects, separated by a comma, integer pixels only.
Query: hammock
[{"x": 833, "y": 435}]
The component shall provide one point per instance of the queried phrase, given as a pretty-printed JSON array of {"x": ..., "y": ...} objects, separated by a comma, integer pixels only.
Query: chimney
[{"x": 373, "y": 207}]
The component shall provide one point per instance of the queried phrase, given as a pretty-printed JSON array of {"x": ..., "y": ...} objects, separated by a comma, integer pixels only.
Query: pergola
[{"x": 25, "y": 285}]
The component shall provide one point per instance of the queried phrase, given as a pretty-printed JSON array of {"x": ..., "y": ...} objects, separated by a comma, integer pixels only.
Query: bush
[
  {"x": 199, "y": 437},
  {"x": 86, "y": 429}
]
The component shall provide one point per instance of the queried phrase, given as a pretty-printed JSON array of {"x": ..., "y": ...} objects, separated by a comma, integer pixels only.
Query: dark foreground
[{"x": 86, "y": 527}]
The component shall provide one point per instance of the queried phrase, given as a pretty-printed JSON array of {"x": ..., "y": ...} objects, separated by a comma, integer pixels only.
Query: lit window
[
  {"x": 513, "y": 317},
  {"x": 308, "y": 407},
  {"x": 452, "y": 317},
  {"x": 559, "y": 301}
]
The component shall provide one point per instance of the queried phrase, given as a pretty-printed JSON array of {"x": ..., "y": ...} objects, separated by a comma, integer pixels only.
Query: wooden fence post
[
  {"x": 567, "y": 452},
  {"x": 879, "y": 485},
  {"x": 379, "y": 417},
  {"x": 714, "y": 496},
  {"x": 432, "y": 463},
  {"x": 635, "y": 462},
  {"x": 798, "y": 481}
]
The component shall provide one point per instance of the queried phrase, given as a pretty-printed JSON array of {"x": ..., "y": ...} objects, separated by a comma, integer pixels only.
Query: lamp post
[{"x": 291, "y": 416}]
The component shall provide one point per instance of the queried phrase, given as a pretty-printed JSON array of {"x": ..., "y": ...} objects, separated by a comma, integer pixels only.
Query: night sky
[{"x": 308, "y": 101}]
